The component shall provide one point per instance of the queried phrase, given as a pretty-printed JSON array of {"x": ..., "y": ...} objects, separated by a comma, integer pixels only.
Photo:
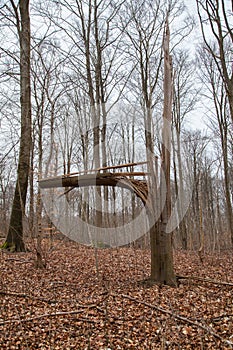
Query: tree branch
[{"x": 178, "y": 317}]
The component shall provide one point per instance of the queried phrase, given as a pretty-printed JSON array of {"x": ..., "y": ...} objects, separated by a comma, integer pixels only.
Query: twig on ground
[
  {"x": 208, "y": 280},
  {"x": 54, "y": 314},
  {"x": 218, "y": 318},
  {"x": 178, "y": 317},
  {"x": 22, "y": 295},
  {"x": 20, "y": 261}
]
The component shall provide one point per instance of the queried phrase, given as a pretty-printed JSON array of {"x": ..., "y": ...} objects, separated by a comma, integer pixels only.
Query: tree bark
[
  {"x": 14, "y": 240},
  {"x": 161, "y": 241},
  {"x": 139, "y": 187}
]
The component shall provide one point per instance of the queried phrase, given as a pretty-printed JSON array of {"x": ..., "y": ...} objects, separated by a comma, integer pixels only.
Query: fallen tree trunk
[{"x": 139, "y": 187}]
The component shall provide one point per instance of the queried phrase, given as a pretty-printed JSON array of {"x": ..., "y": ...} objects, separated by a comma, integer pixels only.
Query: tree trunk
[
  {"x": 31, "y": 195},
  {"x": 227, "y": 187},
  {"x": 179, "y": 189},
  {"x": 161, "y": 241},
  {"x": 14, "y": 240},
  {"x": 161, "y": 256}
]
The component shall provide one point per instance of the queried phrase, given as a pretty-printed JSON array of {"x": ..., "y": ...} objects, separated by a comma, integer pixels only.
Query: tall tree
[
  {"x": 195, "y": 145},
  {"x": 93, "y": 60},
  {"x": 161, "y": 240},
  {"x": 184, "y": 100},
  {"x": 217, "y": 15},
  {"x": 219, "y": 121},
  {"x": 14, "y": 240},
  {"x": 145, "y": 22}
]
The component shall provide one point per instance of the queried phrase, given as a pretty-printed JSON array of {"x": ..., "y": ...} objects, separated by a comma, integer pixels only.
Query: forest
[{"x": 116, "y": 174}]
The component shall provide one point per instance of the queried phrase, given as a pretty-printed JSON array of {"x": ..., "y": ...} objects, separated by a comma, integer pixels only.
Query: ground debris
[{"x": 68, "y": 306}]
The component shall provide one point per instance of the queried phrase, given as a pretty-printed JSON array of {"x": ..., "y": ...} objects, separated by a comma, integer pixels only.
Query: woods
[
  {"x": 116, "y": 133},
  {"x": 109, "y": 98}
]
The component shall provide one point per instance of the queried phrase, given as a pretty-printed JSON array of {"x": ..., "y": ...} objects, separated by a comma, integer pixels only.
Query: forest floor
[{"x": 96, "y": 299}]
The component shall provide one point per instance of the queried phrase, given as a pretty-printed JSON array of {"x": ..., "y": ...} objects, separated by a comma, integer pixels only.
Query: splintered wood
[{"x": 114, "y": 179}]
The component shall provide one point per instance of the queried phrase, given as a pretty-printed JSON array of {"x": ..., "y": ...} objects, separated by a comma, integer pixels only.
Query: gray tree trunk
[
  {"x": 162, "y": 270},
  {"x": 14, "y": 240}
]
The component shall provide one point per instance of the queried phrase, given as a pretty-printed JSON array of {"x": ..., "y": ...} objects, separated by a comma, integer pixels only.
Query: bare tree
[
  {"x": 195, "y": 145},
  {"x": 6, "y": 192},
  {"x": 216, "y": 14},
  {"x": 161, "y": 240},
  {"x": 219, "y": 121},
  {"x": 185, "y": 97},
  {"x": 94, "y": 60},
  {"x": 14, "y": 240},
  {"x": 144, "y": 29},
  {"x": 46, "y": 92}
]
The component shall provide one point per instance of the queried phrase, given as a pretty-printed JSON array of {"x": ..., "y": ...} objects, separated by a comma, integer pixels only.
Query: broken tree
[{"x": 162, "y": 270}]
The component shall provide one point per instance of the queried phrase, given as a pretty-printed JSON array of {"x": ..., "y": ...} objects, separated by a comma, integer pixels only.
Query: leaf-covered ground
[{"x": 87, "y": 299}]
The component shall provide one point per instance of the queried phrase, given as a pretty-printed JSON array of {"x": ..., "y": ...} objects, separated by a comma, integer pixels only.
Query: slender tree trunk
[
  {"x": 39, "y": 253},
  {"x": 104, "y": 152},
  {"x": 180, "y": 194},
  {"x": 230, "y": 99},
  {"x": 227, "y": 189},
  {"x": 14, "y": 240},
  {"x": 196, "y": 200},
  {"x": 31, "y": 203}
]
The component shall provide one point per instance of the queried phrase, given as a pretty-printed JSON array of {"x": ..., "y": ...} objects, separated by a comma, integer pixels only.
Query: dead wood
[
  {"x": 108, "y": 167},
  {"x": 83, "y": 308},
  {"x": 54, "y": 314},
  {"x": 208, "y": 280},
  {"x": 27, "y": 296},
  {"x": 139, "y": 187},
  {"x": 220, "y": 317},
  {"x": 178, "y": 317}
]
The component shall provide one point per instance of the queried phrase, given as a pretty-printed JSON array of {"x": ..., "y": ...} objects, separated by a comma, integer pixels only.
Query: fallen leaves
[{"x": 68, "y": 306}]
